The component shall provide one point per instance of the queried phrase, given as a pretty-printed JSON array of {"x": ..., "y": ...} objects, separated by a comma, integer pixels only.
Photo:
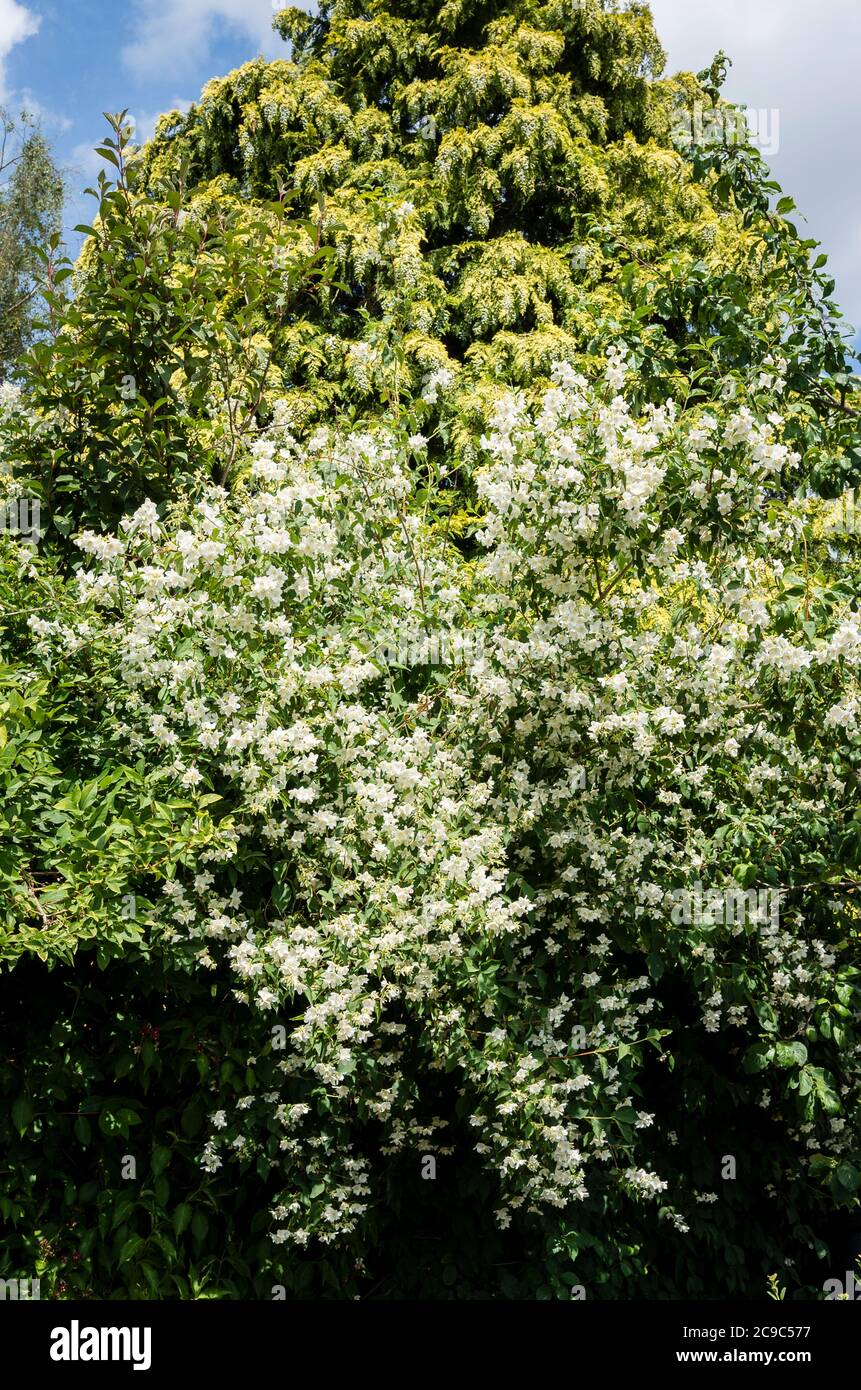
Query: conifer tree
[{"x": 503, "y": 183}]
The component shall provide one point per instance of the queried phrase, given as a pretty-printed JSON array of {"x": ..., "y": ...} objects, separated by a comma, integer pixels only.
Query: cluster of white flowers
[
  {"x": 423, "y": 880},
  {"x": 645, "y": 1183}
]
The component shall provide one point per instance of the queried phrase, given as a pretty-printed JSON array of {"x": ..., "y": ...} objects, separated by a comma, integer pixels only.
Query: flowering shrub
[{"x": 444, "y": 886}]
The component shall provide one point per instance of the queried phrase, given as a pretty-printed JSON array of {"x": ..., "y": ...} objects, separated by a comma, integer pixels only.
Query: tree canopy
[{"x": 31, "y": 197}]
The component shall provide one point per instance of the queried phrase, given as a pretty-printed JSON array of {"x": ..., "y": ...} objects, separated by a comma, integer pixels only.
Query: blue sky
[
  {"x": 70, "y": 60},
  {"x": 798, "y": 58}
]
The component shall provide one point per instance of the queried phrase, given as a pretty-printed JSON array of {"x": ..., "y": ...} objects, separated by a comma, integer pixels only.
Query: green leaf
[
  {"x": 757, "y": 1057},
  {"x": 130, "y": 1249},
  {"x": 655, "y": 966},
  {"x": 160, "y": 1159},
  {"x": 123, "y": 1208},
  {"x": 792, "y": 1054},
  {"x": 192, "y": 1119},
  {"x": 848, "y": 1176},
  {"x": 22, "y": 1114},
  {"x": 844, "y": 1181},
  {"x": 182, "y": 1217}
]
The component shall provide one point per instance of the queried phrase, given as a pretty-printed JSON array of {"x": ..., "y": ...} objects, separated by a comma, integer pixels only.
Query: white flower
[
  {"x": 269, "y": 587},
  {"x": 644, "y": 1183}
]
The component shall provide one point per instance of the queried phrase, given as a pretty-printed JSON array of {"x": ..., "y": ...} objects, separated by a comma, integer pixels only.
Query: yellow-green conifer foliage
[{"x": 501, "y": 185}]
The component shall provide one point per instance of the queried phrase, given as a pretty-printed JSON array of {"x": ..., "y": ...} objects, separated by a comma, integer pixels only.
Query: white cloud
[
  {"x": 800, "y": 59},
  {"x": 47, "y": 117},
  {"x": 143, "y": 123},
  {"x": 85, "y": 165},
  {"x": 172, "y": 36},
  {"x": 17, "y": 23}
]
